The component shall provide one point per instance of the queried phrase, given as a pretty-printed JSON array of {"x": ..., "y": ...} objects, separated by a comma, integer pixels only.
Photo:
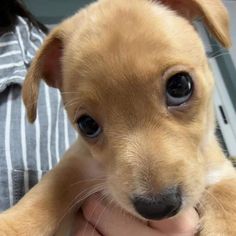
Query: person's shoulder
[
  {"x": 17, "y": 49},
  {"x": 26, "y": 24}
]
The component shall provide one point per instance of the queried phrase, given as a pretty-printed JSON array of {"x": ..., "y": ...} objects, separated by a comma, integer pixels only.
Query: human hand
[{"x": 99, "y": 218}]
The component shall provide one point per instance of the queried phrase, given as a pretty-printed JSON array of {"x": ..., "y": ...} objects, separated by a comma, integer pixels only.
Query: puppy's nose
[{"x": 164, "y": 205}]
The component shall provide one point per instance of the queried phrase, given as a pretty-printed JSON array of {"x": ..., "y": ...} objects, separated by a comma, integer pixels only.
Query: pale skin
[{"x": 99, "y": 218}]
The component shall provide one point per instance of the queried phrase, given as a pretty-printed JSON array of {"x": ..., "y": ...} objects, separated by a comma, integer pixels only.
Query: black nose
[{"x": 163, "y": 205}]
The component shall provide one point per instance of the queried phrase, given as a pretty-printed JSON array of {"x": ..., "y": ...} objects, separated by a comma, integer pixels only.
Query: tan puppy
[{"x": 136, "y": 84}]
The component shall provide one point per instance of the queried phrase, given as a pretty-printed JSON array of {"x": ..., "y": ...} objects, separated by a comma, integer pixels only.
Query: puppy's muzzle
[{"x": 163, "y": 205}]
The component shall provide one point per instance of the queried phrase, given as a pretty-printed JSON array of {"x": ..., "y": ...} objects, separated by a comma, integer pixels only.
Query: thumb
[{"x": 185, "y": 223}]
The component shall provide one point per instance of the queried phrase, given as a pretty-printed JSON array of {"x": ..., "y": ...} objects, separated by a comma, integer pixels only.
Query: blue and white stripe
[{"x": 27, "y": 151}]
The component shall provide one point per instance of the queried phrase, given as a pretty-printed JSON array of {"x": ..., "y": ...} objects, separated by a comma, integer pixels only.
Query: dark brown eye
[
  {"x": 88, "y": 126},
  {"x": 179, "y": 89}
]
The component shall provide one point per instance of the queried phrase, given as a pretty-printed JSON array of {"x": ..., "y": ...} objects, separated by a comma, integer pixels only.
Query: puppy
[{"x": 137, "y": 86}]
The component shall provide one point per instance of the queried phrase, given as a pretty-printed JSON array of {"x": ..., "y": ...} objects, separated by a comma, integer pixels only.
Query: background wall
[{"x": 53, "y": 11}]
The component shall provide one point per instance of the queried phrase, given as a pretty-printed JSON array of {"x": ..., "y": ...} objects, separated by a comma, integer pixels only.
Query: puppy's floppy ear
[
  {"x": 213, "y": 13},
  {"x": 47, "y": 66}
]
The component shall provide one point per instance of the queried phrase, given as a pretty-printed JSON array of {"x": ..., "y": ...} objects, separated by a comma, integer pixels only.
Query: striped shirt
[{"x": 27, "y": 151}]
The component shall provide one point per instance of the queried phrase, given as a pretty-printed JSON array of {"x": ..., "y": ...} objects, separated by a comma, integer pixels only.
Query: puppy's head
[{"x": 136, "y": 84}]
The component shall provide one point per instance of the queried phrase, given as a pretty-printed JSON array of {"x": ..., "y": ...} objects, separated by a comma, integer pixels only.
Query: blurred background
[{"x": 222, "y": 61}]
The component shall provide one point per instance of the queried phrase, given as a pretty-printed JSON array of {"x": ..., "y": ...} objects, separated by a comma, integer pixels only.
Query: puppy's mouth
[{"x": 158, "y": 206}]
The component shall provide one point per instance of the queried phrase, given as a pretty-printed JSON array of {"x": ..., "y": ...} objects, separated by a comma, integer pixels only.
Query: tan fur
[{"x": 112, "y": 60}]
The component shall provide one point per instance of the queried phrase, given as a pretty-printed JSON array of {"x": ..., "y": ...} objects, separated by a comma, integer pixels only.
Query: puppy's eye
[
  {"x": 88, "y": 126},
  {"x": 179, "y": 89}
]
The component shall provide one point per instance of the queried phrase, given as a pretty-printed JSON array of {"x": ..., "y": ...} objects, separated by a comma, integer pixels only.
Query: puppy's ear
[
  {"x": 47, "y": 66},
  {"x": 213, "y": 13}
]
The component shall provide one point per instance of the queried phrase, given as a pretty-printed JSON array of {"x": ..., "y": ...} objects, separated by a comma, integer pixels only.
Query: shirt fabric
[{"x": 27, "y": 150}]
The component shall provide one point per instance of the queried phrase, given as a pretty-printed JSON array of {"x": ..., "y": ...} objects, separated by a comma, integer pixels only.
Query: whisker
[
  {"x": 216, "y": 200},
  {"x": 81, "y": 197},
  {"x": 222, "y": 54},
  {"x": 72, "y": 92},
  {"x": 108, "y": 204},
  {"x": 71, "y": 102},
  {"x": 218, "y": 53},
  {"x": 95, "y": 189},
  {"x": 87, "y": 181},
  {"x": 96, "y": 223}
]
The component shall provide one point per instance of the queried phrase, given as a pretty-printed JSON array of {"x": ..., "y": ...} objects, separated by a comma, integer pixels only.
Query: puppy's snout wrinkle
[{"x": 162, "y": 205}]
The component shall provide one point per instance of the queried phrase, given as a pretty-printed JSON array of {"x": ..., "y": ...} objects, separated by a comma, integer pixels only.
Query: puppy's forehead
[{"x": 124, "y": 40}]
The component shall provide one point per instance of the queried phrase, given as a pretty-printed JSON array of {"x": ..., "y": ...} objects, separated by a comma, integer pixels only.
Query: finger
[
  {"x": 84, "y": 228},
  {"x": 111, "y": 220},
  {"x": 185, "y": 223}
]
